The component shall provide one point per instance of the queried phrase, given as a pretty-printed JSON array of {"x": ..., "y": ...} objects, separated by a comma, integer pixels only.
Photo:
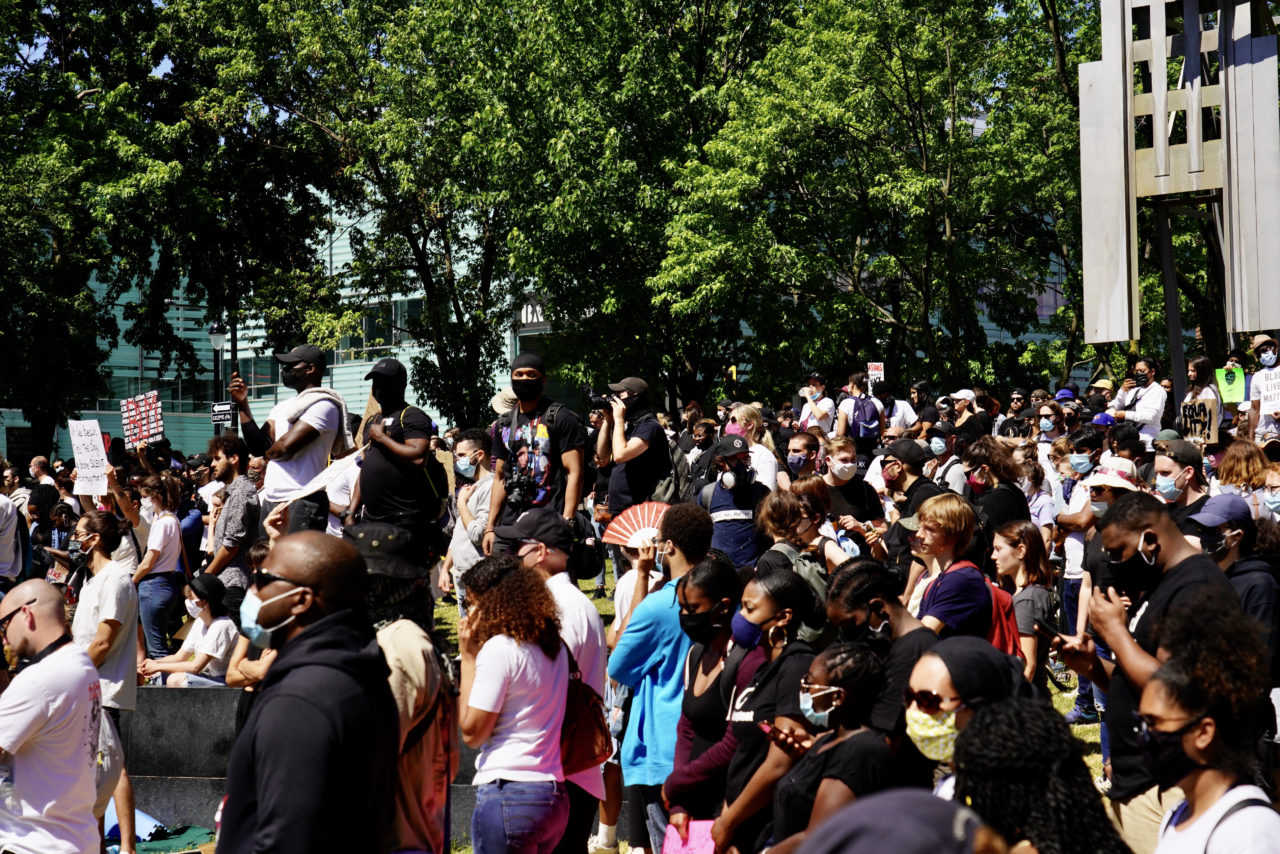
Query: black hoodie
[
  {"x": 314, "y": 768},
  {"x": 1254, "y": 580}
]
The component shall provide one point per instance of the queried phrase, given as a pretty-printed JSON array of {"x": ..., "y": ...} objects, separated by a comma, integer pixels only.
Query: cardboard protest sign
[
  {"x": 90, "y": 456},
  {"x": 1200, "y": 421},
  {"x": 1231, "y": 385},
  {"x": 143, "y": 418}
]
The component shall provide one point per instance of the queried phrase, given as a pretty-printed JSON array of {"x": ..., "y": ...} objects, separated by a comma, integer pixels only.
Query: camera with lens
[
  {"x": 522, "y": 489},
  {"x": 595, "y": 399}
]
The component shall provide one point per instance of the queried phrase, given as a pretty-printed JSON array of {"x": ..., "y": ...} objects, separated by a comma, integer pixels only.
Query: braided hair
[
  {"x": 1020, "y": 768},
  {"x": 859, "y": 580},
  {"x": 856, "y": 669}
]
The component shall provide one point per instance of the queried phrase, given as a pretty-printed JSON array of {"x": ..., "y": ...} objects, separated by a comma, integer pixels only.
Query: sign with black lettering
[
  {"x": 143, "y": 418},
  {"x": 222, "y": 413},
  {"x": 1200, "y": 421}
]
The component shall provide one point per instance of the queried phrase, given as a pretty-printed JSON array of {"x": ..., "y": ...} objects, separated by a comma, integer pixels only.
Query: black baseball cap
[
  {"x": 730, "y": 445},
  {"x": 541, "y": 525},
  {"x": 635, "y": 385},
  {"x": 905, "y": 450},
  {"x": 302, "y": 353},
  {"x": 390, "y": 369},
  {"x": 941, "y": 428}
]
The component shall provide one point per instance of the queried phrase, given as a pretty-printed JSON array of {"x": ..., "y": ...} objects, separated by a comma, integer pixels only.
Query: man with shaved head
[
  {"x": 49, "y": 720},
  {"x": 314, "y": 768}
]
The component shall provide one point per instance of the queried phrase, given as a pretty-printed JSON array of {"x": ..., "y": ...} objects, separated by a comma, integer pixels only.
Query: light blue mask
[
  {"x": 1168, "y": 487},
  {"x": 1046, "y": 424},
  {"x": 938, "y": 445},
  {"x": 1272, "y": 502},
  {"x": 1081, "y": 463},
  {"x": 465, "y": 468},
  {"x": 818, "y": 719},
  {"x": 258, "y": 635},
  {"x": 1099, "y": 508}
]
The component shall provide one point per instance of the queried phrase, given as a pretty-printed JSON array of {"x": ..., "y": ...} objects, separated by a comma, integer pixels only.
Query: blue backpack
[{"x": 865, "y": 422}]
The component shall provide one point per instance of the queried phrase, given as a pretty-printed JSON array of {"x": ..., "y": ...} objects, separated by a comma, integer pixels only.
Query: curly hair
[
  {"x": 689, "y": 527},
  {"x": 1217, "y": 667},
  {"x": 1020, "y": 768},
  {"x": 859, "y": 671},
  {"x": 512, "y": 600}
]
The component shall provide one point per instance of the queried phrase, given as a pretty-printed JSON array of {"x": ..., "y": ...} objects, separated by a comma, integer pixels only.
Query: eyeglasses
[
  {"x": 262, "y": 578},
  {"x": 815, "y": 691},
  {"x": 4, "y": 621},
  {"x": 927, "y": 701},
  {"x": 1272, "y": 490}
]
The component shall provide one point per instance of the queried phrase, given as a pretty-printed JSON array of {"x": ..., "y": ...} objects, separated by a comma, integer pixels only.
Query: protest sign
[
  {"x": 1200, "y": 421},
  {"x": 143, "y": 418},
  {"x": 875, "y": 371},
  {"x": 91, "y": 458},
  {"x": 1265, "y": 388},
  {"x": 1231, "y": 385}
]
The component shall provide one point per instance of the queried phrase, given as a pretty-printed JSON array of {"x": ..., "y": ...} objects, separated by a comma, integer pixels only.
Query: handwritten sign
[
  {"x": 1231, "y": 385},
  {"x": 1265, "y": 387},
  {"x": 143, "y": 418},
  {"x": 91, "y": 457},
  {"x": 875, "y": 371},
  {"x": 1200, "y": 421}
]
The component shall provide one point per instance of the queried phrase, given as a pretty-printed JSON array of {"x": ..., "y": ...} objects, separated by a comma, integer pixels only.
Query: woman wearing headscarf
[{"x": 948, "y": 684}]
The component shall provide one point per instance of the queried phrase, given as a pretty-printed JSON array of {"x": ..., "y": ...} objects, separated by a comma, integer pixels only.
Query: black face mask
[
  {"x": 527, "y": 390},
  {"x": 1141, "y": 378},
  {"x": 701, "y": 628},
  {"x": 1135, "y": 576},
  {"x": 634, "y": 403},
  {"x": 1164, "y": 757},
  {"x": 291, "y": 378}
]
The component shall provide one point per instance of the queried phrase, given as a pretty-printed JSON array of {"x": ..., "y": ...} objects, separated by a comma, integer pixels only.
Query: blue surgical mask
[
  {"x": 1081, "y": 463},
  {"x": 1272, "y": 502},
  {"x": 466, "y": 468},
  {"x": 1046, "y": 424},
  {"x": 258, "y": 635},
  {"x": 1268, "y": 359},
  {"x": 1168, "y": 487},
  {"x": 818, "y": 719},
  {"x": 938, "y": 445}
]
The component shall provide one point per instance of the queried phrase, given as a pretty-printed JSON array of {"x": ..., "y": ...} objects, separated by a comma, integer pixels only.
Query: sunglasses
[
  {"x": 927, "y": 701},
  {"x": 261, "y": 579},
  {"x": 1147, "y": 725},
  {"x": 5, "y": 620}
]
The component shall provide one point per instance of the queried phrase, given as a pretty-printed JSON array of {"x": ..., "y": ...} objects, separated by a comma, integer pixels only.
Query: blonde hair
[
  {"x": 745, "y": 413},
  {"x": 1060, "y": 449},
  {"x": 951, "y": 515},
  {"x": 838, "y": 444}
]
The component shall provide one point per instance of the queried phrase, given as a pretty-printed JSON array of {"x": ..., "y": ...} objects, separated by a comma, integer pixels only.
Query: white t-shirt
[
  {"x": 765, "y": 465},
  {"x": 625, "y": 591},
  {"x": 217, "y": 640},
  {"x": 339, "y": 492},
  {"x": 582, "y": 631},
  {"x": 165, "y": 537},
  {"x": 285, "y": 477},
  {"x": 824, "y": 416},
  {"x": 49, "y": 720},
  {"x": 1249, "y": 830},
  {"x": 110, "y": 595},
  {"x": 528, "y": 691},
  {"x": 1073, "y": 547},
  {"x": 903, "y": 416},
  {"x": 1264, "y": 387},
  {"x": 10, "y": 544}
]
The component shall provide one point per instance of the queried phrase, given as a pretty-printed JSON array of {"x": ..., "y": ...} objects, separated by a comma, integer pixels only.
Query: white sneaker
[{"x": 594, "y": 846}]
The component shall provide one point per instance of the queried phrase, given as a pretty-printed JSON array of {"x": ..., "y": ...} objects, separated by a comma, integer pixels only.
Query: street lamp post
[{"x": 217, "y": 340}]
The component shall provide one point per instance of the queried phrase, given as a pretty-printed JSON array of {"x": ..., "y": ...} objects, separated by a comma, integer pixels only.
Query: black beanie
[{"x": 529, "y": 360}]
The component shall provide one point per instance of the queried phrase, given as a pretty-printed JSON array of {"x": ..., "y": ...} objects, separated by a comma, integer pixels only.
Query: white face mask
[
  {"x": 193, "y": 608},
  {"x": 842, "y": 470}
]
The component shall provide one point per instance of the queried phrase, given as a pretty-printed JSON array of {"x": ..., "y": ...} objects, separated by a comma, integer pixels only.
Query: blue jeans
[
  {"x": 1071, "y": 605},
  {"x": 157, "y": 595},
  {"x": 520, "y": 818}
]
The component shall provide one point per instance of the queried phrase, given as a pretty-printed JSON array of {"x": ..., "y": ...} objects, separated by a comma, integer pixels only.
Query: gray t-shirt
[
  {"x": 1031, "y": 604},
  {"x": 111, "y": 595}
]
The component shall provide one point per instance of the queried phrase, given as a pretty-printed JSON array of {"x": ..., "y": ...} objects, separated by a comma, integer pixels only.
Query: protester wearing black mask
[
  {"x": 700, "y": 456},
  {"x": 537, "y": 452},
  {"x": 714, "y": 671},
  {"x": 634, "y": 439},
  {"x": 1151, "y": 558}
]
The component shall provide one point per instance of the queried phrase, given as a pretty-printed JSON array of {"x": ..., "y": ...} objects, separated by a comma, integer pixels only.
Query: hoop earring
[{"x": 769, "y": 635}]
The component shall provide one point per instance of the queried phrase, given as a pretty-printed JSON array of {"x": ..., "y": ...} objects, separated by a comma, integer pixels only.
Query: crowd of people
[{"x": 843, "y": 631}]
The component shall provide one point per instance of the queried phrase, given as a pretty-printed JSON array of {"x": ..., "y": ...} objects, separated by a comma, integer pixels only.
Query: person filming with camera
[{"x": 632, "y": 438}]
